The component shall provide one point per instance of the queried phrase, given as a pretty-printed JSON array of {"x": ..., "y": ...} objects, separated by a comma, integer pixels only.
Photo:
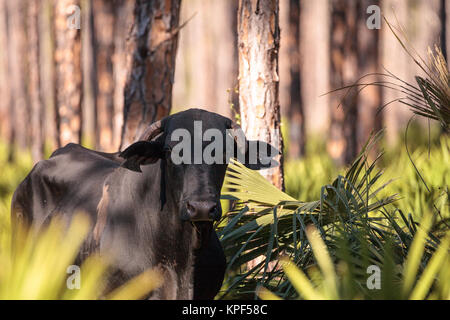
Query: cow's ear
[
  {"x": 141, "y": 153},
  {"x": 259, "y": 155}
]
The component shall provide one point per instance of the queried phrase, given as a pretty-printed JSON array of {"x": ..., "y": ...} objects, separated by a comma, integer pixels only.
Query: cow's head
[{"x": 188, "y": 145}]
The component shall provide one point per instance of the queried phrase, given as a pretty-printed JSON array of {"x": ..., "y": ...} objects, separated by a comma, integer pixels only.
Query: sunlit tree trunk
[
  {"x": 47, "y": 71},
  {"x": 104, "y": 22},
  {"x": 34, "y": 86},
  {"x": 295, "y": 113},
  {"x": 5, "y": 118},
  {"x": 17, "y": 46},
  {"x": 395, "y": 60},
  {"x": 122, "y": 28},
  {"x": 151, "y": 53},
  {"x": 342, "y": 142},
  {"x": 224, "y": 52},
  {"x": 258, "y": 43},
  {"x": 207, "y": 64},
  {"x": 369, "y": 99},
  {"x": 315, "y": 65},
  {"x": 89, "y": 73},
  {"x": 68, "y": 72}
]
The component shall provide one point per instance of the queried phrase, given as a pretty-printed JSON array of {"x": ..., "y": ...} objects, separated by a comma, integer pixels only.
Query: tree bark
[
  {"x": 152, "y": 49},
  {"x": 19, "y": 112},
  {"x": 342, "y": 142},
  {"x": 224, "y": 52},
  {"x": 89, "y": 67},
  {"x": 104, "y": 22},
  {"x": 5, "y": 101},
  {"x": 369, "y": 99},
  {"x": 295, "y": 113},
  {"x": 258, "y": 45},
  {"x": 47, "y": 73},
  {"x": 68, "y": 73},
  {"x": 315, "y": 65},
  {"x": 122, "y": 30},
  {"x": 34, "y": 87}
]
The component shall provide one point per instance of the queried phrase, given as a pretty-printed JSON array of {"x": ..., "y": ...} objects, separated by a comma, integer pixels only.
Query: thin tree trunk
[
  {"x": 296, "y": 114},
  {"x": 104, "y": 21},
  {"x": 315, "y": 65},
  {"x": 47, "y": 71},
  {"x": 20, "y": 115},
  {"x": 122, "y": 31},
  {"x": 369, "y": 99},
  {"x": 342, "y": 142},
  {"x": 89, "y": 68},
  {"x": 34, "y": 87},
  {"x": 258, "y": 42},
  {"x": 396, "y": 60},
  {"x": 5, "y": 101},
  {"x": 68, "y": 72},
  {"x": 224, "y": 52},
  {"x": 152, "y": 50}
]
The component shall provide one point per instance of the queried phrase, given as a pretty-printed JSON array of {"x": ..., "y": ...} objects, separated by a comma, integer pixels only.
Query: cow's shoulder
[
  {"x": 79, "y": 152},
  {"x": 70, "y": 147},
  {"x": 32, "y": 189},
  {"x": 71, "y": 178}
]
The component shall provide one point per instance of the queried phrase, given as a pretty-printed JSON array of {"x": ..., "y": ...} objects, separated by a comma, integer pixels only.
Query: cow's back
[{"x": 69, "y": 181}]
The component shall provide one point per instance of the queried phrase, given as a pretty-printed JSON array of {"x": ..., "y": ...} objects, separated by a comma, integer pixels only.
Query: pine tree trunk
[
  {"x": 122, "y": 29},
  {"x": 104, "y": 21},
  {"x": 369, "y": 99},
  {"x": 295, "y": 114},
  {"x": 5, "y": 101},
  {"x": 224, "y": 52},
  {"x": 47, "y": 71},
  {"x": 89, "y": 73},
  {"x": 151, "y": 54},
  {"x": 258, "y": 42},
  {"x": 17, "y": 46},
  {"x": 34, "y": 87},
  {"x": 68, "y": 73},
  {"x": 342, "y": 144},
  {"x": 315, "y": 65}
]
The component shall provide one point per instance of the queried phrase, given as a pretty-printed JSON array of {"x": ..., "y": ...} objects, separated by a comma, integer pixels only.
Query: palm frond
[{"x": 267, "y": 223}]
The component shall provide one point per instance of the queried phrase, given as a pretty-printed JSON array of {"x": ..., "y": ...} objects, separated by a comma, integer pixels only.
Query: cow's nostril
[
  {"x": 213, "y": 212},
  {"x": 202, "y": 210}
]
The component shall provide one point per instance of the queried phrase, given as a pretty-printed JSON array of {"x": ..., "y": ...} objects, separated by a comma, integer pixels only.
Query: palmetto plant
[
  {"x": 433, "y": 281},
  {"x": 35, "y": 266},
  {"x": 269, "y": 223}
]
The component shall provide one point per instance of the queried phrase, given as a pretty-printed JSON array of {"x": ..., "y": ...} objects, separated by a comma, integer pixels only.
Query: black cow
[{"x": 148, "y": 212}]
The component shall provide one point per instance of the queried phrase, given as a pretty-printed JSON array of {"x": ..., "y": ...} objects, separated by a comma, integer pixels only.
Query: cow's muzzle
[{"x": 197, "y": 211}]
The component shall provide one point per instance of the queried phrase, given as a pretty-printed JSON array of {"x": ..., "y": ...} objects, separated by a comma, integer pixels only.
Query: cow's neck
[{"x": 160, "y": 227}]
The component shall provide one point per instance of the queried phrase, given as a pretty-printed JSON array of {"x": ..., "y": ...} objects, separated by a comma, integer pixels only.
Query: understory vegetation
[
  {"x": 377, "y": 213},
  {"x": 317, "y": 240}
]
